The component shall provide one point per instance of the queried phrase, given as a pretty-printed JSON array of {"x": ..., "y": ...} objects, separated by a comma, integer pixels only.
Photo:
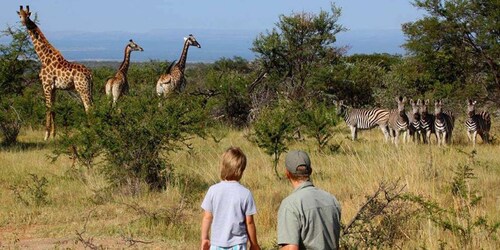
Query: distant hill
[{"x": 215, "y": 44}]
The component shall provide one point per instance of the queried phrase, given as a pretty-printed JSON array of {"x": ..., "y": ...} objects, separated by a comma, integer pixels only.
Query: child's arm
[
  {"x": 252, "y": 233},
  {"x": 205, "y": 228}
]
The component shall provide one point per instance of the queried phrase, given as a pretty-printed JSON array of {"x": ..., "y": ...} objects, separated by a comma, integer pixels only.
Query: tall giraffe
[
  {"x": 56, "y": 72},
  {"x": 118, "y": 85},
  {"x": 174, "y": 80}
]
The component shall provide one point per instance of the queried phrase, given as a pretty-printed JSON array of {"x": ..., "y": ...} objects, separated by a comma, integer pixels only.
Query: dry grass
[{"x": 79, "y": 201}]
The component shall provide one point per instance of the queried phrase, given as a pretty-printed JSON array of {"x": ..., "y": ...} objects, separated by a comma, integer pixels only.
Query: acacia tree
[
  {"x": 458, "y": 41},
  {"x": 297, "y": 45},
  {"x": 17, "y": 71}
]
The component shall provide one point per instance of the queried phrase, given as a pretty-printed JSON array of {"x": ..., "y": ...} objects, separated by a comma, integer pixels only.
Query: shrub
[
  {"x": 32, "y": 192},
  {"x": 458, "y": 218},
  {"x": 135, "y": 137},
  {"x": 273, "y": 130},
  {"x": 317, "y": 121}
]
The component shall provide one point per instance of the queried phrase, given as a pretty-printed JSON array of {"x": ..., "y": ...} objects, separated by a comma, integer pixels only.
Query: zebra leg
[
  {"x": 486, "y": 138},
  {"x": 353, "y": 132},
  {"x": 438, "y": 137},
  {"x": 396, "y": 137},
  {"x": 427, "y": 137},
  {"x": 469, "y": 136},
  {"x": 474, "y": 134},
  {"x": 386, "y": 132}
]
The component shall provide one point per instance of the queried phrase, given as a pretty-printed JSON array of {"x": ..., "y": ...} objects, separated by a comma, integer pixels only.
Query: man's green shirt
[{"x": 310, "y": 218}]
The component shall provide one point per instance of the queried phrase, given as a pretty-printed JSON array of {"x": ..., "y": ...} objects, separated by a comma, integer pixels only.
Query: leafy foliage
[
  {"x": 273, "y": 130},
  {"x": 17, "y": 72},
  {"x": 225, "y": 90},
  {"x": 135, "y": 138},
  {"x": 32, "y": 192},
  {"x": 299, "y": 44},
  {"x": 457, "y": 43},
  {"x": 317, "y": 121}
]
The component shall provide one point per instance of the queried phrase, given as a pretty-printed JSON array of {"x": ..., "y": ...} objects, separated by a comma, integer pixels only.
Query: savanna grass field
[
  {"x": 77, "y": 211},
  {"x": 139, "y": 142}
]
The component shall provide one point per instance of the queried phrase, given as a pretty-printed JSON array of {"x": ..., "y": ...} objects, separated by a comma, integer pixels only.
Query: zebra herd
[{"x": 418, "y": 123}]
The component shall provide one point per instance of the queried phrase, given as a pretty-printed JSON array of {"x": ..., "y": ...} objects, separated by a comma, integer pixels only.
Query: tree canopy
[
  {"x": 300, "y": 43},
  {"x": 458, "y": 42}
]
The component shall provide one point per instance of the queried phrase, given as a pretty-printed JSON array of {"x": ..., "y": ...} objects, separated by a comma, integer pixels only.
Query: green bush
[
  {"x": 135, "y": 137},
  {"x": 273, "y": 130},
  {"x": 317, "y": 121}
]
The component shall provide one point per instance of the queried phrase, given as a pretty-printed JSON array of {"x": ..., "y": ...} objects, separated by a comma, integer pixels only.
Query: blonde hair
[{"x": 233, "y": 163}]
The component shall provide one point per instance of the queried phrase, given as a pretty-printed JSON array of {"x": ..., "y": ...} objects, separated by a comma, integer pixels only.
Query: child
[{"x": 229, "y": 208}]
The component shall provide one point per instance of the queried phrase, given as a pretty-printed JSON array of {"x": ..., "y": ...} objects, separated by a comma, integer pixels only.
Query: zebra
[
  {"x": 426, "y": 122},
  {"x": 363, "y": 119},
  {"x": 414, "y": 128},
  {"x": 398, "y": 121},
  {"x": 443, "y": 123},
  {"x": 477, "y": 123}
]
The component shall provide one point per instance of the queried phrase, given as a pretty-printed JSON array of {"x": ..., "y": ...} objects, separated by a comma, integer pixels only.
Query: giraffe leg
[
  {"x": 116, "y": 90},
  {"x": 108, "y": 87},
  {"x": 49, "y": 114},
  {"x": 53, "y": 124},
  {"x": 86, "y": 97}
]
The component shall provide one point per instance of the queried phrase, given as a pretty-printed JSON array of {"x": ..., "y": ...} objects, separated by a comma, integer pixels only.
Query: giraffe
[
  {"x": 174, "y": 80},
  {"x": 56, "y": 72},
  {"x": 118, "y": 85}
]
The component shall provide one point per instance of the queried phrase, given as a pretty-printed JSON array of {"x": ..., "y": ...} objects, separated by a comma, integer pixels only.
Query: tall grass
[{"x": 79, "y": 200}]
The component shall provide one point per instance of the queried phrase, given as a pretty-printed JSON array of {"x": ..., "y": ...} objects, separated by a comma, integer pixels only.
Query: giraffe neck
[
  {"x": 126, "y": 61},
  {"x": 45, "y": 51},
  {"x": 182, "y": 59}
]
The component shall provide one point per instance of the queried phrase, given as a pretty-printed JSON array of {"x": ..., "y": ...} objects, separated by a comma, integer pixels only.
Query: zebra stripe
[
  {"x": 477, "y": 123},
  {"x": 414, "y": 126},
  {"x": 426, "y": 122},
  {"x": 443, "y": 123},
  {"x": 398, "y": 120},
  {"x": 363, "y": 119}
]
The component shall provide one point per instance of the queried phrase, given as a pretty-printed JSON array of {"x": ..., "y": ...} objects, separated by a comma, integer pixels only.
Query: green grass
[{"x": 171, "y": 219}]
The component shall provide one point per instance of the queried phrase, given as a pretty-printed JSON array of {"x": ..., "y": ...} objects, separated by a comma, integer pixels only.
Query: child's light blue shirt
[{"x": 229, "y": 202}]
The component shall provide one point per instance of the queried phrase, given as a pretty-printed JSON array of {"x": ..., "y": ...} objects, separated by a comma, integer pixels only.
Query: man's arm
[
  {"x": 206, "y": 222},
  {"x": 252, "y": 233}
]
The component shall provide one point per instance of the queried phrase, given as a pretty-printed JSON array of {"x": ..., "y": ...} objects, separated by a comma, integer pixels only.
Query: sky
[{"x": 156, "y": 16}]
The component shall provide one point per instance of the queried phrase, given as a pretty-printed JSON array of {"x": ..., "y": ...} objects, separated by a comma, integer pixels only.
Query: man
[{"x": 309, "y": 218}]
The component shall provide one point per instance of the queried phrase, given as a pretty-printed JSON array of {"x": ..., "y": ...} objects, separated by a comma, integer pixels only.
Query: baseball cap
[{"x": 296, "y": 158}]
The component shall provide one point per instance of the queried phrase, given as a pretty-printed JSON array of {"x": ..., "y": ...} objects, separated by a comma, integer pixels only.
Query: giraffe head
[
  {"x": 134, "y": 46},
  {"x": 24, "y": 15},
  {"x": 191, "y": 41},
  {"x": 471, "y": 107}
]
